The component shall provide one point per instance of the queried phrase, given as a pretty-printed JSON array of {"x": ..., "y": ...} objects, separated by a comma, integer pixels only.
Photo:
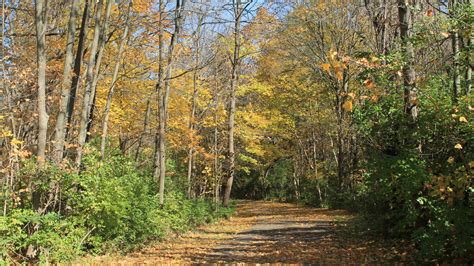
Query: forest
[{"x": 124, "y": 122}]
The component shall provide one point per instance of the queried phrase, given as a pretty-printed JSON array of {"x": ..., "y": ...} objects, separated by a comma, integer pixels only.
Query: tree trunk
[
  {"x": 108, "y": 103},
  {"x": 409, "y": 75},
  {"x": 102, "y": 42},
  {"x": 468, "y": 88},
  {"x": 159, "y": 89},
  {"x": 341, "y": 91},
  {"x": 215, "y": 150},
  {"x": 340, "y": 153},
  {"x": 5, "y": 84},
  {"x": 456, "y": 72},
  {"x": 60, "y": 130},
  {"x": 191, "y": 129},
  {"x": 379, "y": 23},
  {"x": 468, "y": 75},
  {"x": 163, "y": 97},
  {"x": 146, "y": 125},
  {"x": 89, "y": 84},
  {"x": 315, "y": 169},
  {"x": 13, "y": 161},
  {"x": 383, "y": 33},
  {"x": 77, "y": 67},
  {"x": 234, "y": 82},
  {"x": 456, "y": 54},
  {"x": 41, "y": 25},
  {"x": 296, "y": 180},
  {"x": 194, "y": 105}
]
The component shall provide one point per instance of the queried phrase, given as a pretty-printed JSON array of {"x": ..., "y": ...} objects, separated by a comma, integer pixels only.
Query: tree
[
  {"x": 103, "y": 39},
  {"x": 405, "y": 18},
  {"x": 77, "y": 67},
  {"x": 41, "y": 14},
  {"x": 164, "y": 91},
  {"x": 238, "y": 11},
  {"x": 455, "y": 42},
  {"x": 159, "y": 90},
  {"x": 60, "y": 130},
  {"x": 108, "y": 104},
  {"x": 93, "y": 66},
  {"x": 197, "y": 50}
]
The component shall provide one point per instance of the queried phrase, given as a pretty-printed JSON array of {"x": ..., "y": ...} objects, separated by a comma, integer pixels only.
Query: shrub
[
  {"x": 110, "y": 205},
  {"x": 49, "y": 237},
  {"x": 423, "y": 195}
]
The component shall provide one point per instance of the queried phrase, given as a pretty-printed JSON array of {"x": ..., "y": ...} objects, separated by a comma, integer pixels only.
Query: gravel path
[{"x": 267, "y": 232}]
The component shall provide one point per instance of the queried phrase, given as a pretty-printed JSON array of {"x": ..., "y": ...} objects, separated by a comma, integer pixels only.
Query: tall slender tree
[
  {"x": 41, "y": 8},
  {"x": 455, "y": 42},
  {"x": 118, "y": 59},
  {"x": 238, "y": 9},
  {"x": 103, "y": 39},
  {"x": 89, "y": 83},
  {"x": 159, "y": 89},
  {"x": 41, "y": 14},
  {"x": 60, "y": 130},
  {"x": 409, "y": 75},
  {"x": 469, "y": 43},
  {"x": 146, "y": 128},
  {"x": 77, "y": 65},
  {"x": 192, "y": 117},
  {"x": 164, "y": 91}
]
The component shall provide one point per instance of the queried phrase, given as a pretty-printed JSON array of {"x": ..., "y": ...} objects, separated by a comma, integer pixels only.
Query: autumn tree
[
  {"x": 88, "y": 93},
  {"x": 110, "y": 94},
  {"x": 405, "y": 17},
  {"x": 41, "y": 14},
  {"x": 163, "y": 87},
  {"x": 238, "y": 8},
  {"x": 60, "y": 129}
]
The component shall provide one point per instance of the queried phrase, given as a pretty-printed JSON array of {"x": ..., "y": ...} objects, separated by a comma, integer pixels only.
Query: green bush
[
  {"x": 110, "y": 205},
  {"x": 417, "y": 179},
  {"x": 394, "y": 187},
  {"x": 49, "y": 237}
]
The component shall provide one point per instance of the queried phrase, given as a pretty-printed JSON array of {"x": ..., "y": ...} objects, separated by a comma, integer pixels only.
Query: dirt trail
[{"x": 267, "y": 232}]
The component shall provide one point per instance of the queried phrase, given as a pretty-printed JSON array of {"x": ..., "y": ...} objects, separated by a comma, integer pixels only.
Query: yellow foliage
[
  {"x": 338, "y": 72},
  {"x": 141, "y": 6},
  {"x": 347, "y": 106},
  {"x": 369, "y": 83},
  {"x": 5, "y": 133},
  {"x": 16, "y": 142},
  {"x": 450, "y": 160},
  {"x": 326, "y": 67},
  {"x": 462, "y": 119}
]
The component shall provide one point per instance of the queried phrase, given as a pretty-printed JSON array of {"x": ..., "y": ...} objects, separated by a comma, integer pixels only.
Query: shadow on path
[{"x": 267, "y": 232}]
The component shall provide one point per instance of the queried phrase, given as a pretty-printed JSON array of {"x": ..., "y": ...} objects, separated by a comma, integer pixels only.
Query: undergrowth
[{"x": 110, "y": 206}]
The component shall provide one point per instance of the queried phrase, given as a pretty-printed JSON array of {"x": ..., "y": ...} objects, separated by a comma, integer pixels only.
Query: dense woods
[{"x": 123, "y": 121}]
